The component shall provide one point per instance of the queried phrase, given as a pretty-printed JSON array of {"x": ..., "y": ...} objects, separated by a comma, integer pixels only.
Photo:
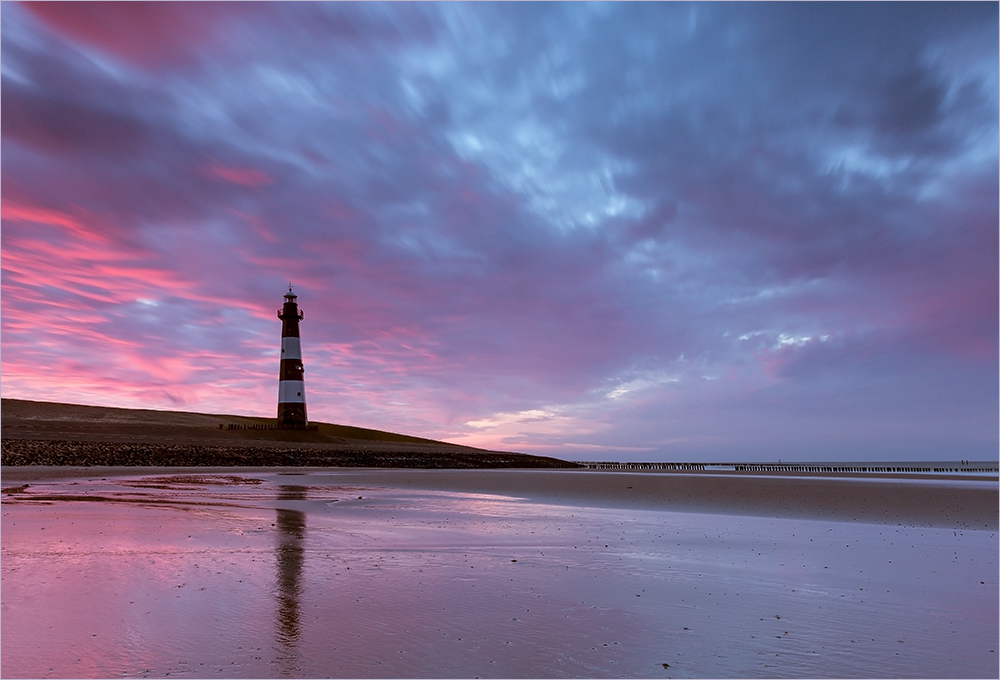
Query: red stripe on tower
[{"x": 291, "y": 386}]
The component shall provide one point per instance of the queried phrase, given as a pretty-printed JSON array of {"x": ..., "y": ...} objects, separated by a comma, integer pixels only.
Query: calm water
[{"x": 290, "y": 576}]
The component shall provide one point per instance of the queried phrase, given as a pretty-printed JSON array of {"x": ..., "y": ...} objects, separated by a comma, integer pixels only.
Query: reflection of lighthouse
[
  {"x": 290, "y": 554},
  {"x": 291, "y": 387}
]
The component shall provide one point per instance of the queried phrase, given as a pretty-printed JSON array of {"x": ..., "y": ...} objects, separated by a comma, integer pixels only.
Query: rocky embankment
[{"x": 16, "y": 452}]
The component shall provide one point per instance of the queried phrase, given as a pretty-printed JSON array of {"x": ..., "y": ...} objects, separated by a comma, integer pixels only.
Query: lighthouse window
[{"x": 298, "y": 394}]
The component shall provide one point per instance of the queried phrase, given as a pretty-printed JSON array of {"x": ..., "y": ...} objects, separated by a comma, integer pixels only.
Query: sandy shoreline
[
  {"x": 948, "y": 503},
  {"x": 376, "y": 573}
]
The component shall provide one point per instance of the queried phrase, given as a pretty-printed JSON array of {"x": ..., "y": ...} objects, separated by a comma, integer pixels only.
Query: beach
[
  {"x": 933, "y": 501},
  {"x": 495, "y": 573}
]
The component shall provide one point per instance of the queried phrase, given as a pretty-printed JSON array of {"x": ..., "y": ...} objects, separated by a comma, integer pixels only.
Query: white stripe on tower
[
  {"x": 291, "y": 348},
  {"x": 291, "y": 387},
  {"x": 291, "y": 392}
]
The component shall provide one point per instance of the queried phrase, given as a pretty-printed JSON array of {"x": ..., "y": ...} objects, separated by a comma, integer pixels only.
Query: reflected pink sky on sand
[{"x": 275, "y": 575}]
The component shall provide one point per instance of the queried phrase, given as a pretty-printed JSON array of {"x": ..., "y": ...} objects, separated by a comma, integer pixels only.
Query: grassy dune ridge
[{"x": 48, "y": 433}]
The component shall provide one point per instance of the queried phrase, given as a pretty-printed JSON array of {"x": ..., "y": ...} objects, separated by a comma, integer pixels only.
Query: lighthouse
[{"x": 291, "y": 387}]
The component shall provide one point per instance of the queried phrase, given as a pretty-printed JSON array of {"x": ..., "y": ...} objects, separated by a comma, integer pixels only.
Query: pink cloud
[
  {"x": 18, "y": 212},
  {"x": 244, "y": 176},
  {"x": 258, "y": 225},
  {"x": 145, "y": 33}
]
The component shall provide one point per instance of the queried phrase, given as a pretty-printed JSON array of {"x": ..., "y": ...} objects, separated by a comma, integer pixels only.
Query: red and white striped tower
[{"x": 291, "y": 387}]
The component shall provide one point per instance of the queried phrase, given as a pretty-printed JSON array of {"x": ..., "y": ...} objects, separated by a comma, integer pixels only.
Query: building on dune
[{"x": 291, "y": 383}]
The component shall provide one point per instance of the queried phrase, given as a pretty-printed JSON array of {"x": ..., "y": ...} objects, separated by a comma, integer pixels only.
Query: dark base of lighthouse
[{"x": 292, "y": 416}]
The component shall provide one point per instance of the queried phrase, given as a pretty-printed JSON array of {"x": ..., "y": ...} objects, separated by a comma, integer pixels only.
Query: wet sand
[
  {"x": 933, "y": 502},
  {"x": 392, "y": 573}
]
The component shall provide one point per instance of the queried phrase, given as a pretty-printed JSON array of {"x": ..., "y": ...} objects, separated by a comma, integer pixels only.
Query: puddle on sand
[{"x": 279, "y": 576}]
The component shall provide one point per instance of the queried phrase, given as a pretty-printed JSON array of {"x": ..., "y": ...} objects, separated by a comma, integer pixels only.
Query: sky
[{"x": 651, "y": 231}]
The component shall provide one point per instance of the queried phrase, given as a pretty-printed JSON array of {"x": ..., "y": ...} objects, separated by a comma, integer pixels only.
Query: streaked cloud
[{"x": 667, "y": 230}]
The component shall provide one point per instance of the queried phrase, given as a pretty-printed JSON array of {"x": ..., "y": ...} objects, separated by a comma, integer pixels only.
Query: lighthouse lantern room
[{"x": 291, "y": 386}]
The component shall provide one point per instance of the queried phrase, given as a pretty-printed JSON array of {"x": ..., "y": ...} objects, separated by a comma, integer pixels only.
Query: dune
[{"x": 47, "y": 433}]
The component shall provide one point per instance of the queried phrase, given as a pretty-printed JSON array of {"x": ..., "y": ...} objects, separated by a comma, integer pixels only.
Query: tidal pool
[{"x": 272, "y": 574}]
